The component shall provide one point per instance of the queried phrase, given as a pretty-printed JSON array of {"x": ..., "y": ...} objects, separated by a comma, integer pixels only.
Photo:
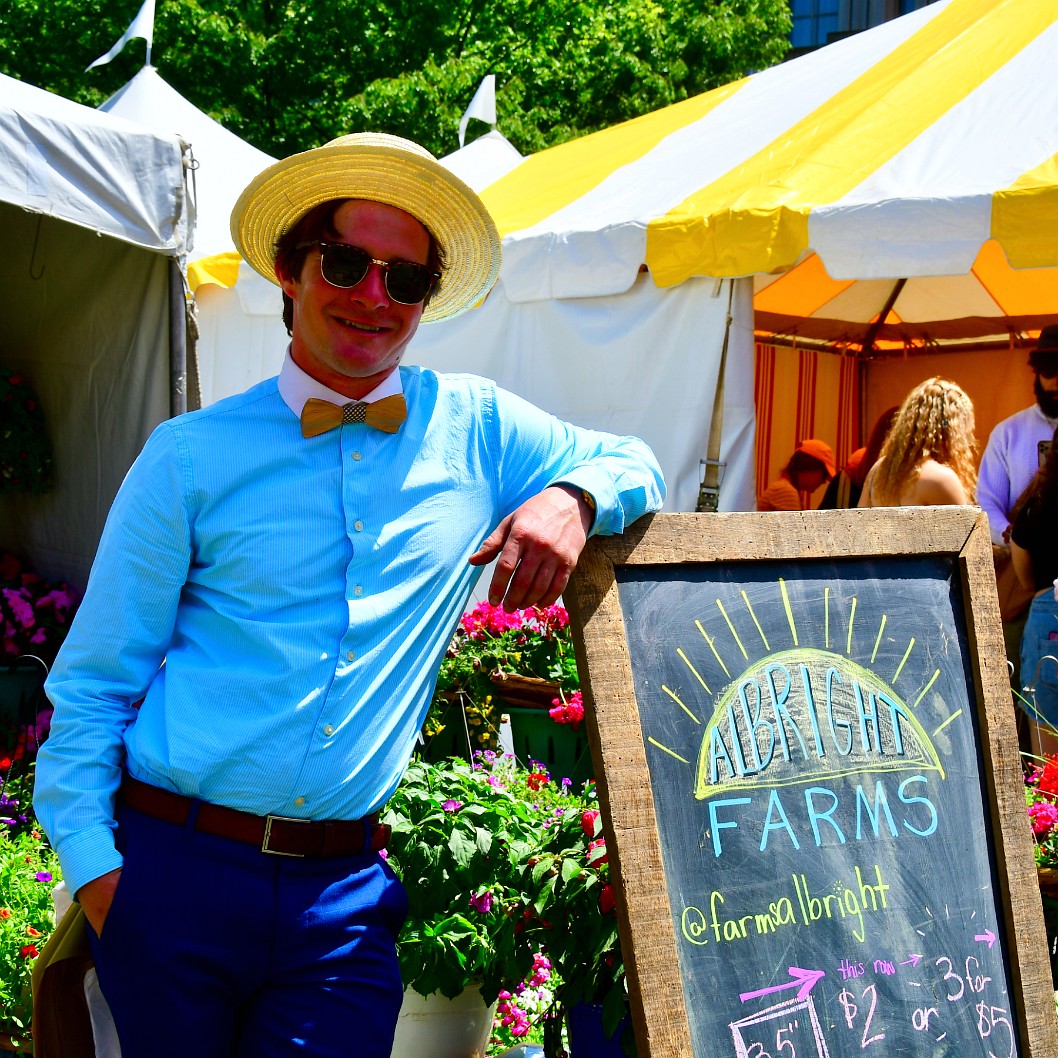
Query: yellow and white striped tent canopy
[{"x": 927, "y": 147}]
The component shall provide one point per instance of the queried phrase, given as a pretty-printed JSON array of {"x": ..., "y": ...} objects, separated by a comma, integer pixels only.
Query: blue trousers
[{"x": 213, "y": 949}]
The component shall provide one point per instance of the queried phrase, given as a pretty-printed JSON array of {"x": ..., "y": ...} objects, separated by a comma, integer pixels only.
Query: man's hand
[
  {"x": 96, "y": 896},
  {"x": 538, "y": 545}
]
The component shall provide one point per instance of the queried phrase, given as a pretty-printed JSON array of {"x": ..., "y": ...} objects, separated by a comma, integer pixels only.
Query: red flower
[
  {"x": 597, "y": 860},
  {"x": 588, "y": 821},
  {"x": 31, "y": 932},
  {"x": 606, "y": 899},
  {"x": 29, "y": 951},
  {"x": 1049, "y": 777},
  {"x": 537, "y": 780},
  {"x": 4, "y": 913}
]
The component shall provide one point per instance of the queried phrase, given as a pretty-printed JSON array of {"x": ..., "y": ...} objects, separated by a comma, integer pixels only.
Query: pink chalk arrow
[
  {"x": 988, "y": 936},
  {"x": 911, "y": 960},
  {"x": 803, "y": 980}
]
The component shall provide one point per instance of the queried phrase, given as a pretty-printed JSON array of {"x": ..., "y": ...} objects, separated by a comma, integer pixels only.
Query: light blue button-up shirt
[{"x": 281, "y": 604}]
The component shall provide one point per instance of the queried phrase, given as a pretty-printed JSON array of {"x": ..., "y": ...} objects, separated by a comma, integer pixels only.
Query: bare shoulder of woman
[{"x": 935, "y": 484}]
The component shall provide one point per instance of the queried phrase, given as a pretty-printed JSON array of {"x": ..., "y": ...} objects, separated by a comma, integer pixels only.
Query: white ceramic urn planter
[{"x": 441, "y": 1027}]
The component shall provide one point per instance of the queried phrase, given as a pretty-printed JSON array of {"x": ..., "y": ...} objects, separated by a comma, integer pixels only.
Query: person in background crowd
[
  {"x": 811, "y": 465},
  {"x": 929, "y": 455},
  {"x": 844, "y": 491},
  {"x": 1015, "y": 447},
  {"x": 298, "y": 556},
  {"x": 1012, "y": 456},
  {"x": 1034, "y": 552}
]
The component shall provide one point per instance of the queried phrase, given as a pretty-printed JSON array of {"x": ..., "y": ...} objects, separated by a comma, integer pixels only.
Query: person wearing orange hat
[{"x": 811, "y": 465}]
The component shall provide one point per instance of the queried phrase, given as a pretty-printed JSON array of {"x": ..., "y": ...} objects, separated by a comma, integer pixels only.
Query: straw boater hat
[{"x": 379, "y": 168}]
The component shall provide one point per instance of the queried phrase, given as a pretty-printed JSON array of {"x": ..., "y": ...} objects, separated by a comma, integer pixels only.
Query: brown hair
[
  {"x": 874, "y": 445},
  {"x": 936, "y": 421}
]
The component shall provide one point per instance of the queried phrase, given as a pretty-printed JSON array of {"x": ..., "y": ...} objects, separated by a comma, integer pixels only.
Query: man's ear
[{"x": 286, "y": 281}]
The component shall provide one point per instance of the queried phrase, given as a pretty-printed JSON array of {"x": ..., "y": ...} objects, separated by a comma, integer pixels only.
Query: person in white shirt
[{"x": 1017, "y": 446}]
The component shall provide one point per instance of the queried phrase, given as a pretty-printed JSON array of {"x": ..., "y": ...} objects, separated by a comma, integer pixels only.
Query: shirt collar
[{"x": 296, "y": 387}]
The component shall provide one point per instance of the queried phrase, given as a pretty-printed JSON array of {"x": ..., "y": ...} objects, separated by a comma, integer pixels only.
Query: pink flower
[
  {"x": 21, "y": 607},
  {"x": 1044, "y": 817},
  {"x": 452, "y": 806},
  {"x": 482, "y": 903},
  {"x": 569, "y": 712}
]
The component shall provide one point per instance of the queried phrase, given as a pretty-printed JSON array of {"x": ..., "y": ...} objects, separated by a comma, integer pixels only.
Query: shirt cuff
[{"x": 86, "y": 855}]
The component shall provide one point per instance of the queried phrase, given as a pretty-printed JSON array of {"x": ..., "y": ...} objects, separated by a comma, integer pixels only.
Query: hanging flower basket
[
  {"x": 526, "y": 692},
  {"x": 25, "y": 450}
]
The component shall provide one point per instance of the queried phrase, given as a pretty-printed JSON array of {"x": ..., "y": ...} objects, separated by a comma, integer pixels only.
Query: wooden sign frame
[{"x": 647, "y": 929}]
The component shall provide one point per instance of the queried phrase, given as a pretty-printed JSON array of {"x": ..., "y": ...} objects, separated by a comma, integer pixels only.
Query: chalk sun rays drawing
[{"x": 835, "y": 679}]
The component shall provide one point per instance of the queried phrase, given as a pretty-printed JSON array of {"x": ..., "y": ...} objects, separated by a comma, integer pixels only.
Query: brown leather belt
[{"x": 278, "y": 835}]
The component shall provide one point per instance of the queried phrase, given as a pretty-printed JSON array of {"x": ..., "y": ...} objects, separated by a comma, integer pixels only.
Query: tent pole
[
  {"x": 876, "y": 326},
  {"x": 177, "y": 340},
  {"x": 712, "y": 467}
]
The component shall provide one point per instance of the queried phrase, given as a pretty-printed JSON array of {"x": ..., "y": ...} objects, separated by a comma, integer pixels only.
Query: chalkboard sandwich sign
[{"x": 805, "y": 743}]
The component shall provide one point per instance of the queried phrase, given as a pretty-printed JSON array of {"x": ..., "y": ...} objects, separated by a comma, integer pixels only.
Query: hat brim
[{"x": 378, "y": 172}]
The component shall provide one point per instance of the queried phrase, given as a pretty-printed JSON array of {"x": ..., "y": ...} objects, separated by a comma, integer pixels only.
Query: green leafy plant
[
  {"x": 29, "y": 870},
  {"x": 574, "y": 902},
  {"x": 459, "y": 842}
]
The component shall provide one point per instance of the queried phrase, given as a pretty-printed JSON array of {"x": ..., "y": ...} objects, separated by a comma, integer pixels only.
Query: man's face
[
  {"x": 351, "y": 338},
  {"x": 1046, "y": 390}
]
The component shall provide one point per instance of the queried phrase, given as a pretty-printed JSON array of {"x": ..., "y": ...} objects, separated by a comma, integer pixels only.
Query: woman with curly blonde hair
[{"x": 929, "y": 457}]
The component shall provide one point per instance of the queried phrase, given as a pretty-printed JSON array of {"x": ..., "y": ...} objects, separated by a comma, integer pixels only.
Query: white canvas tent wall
[
  {"x": 240, "y": 336},
  {"x": 95, "y": 217}
]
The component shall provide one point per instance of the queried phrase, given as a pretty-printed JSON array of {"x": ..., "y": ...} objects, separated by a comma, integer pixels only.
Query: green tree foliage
[{"x": 290, "y": 75}]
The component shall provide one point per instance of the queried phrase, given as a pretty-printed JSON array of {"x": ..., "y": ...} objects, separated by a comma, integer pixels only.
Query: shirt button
[
  {"x": 299, "y": 801},
  {"x": 358, "y": 525},
  {"x": 329, "y": 729},
  {"x": 350, "y": 655},
  {"x": 357, "y": 456},
  {"x": 358, "y": 590}
]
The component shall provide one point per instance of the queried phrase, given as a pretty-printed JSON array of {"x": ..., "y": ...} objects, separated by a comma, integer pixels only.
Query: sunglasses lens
[
  {"x": 343, "y": 266},
  {"x": 408, "y": 283}
]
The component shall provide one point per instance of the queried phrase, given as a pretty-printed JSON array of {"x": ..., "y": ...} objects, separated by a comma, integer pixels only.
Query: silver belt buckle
[{"x": 269, "y": 820}]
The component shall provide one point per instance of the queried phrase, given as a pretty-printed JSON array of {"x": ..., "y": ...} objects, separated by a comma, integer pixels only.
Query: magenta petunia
[{"x": 482, "y": 903}]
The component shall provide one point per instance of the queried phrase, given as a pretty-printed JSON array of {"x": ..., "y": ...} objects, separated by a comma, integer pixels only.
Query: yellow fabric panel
[
  {"x": 531, "y": 192},
  {"x": 1025, "y": 217},
  {"x": 221, "y": 268},
  {"x": 755, "y": 217}
]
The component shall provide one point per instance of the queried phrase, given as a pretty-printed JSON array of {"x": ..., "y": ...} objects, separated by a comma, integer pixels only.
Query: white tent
[
  {"x": 579, "y": 360},
  {"x": 95, "y": 215},
  {"x": 240, "y": 336}
]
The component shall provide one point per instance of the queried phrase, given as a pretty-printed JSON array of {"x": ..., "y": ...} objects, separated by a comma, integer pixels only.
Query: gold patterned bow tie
[{"x": 319, "y": 416}]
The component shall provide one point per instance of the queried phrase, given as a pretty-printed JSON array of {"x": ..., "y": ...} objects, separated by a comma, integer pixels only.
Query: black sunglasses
[{"x": 344, "y": 265}]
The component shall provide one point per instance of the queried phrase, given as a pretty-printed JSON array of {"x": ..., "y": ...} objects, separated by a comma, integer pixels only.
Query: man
[
  {"x": 277, "y": 581},
  {"x": 1014, "y": 453},
  {"x": 1017, "y": 445}
]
